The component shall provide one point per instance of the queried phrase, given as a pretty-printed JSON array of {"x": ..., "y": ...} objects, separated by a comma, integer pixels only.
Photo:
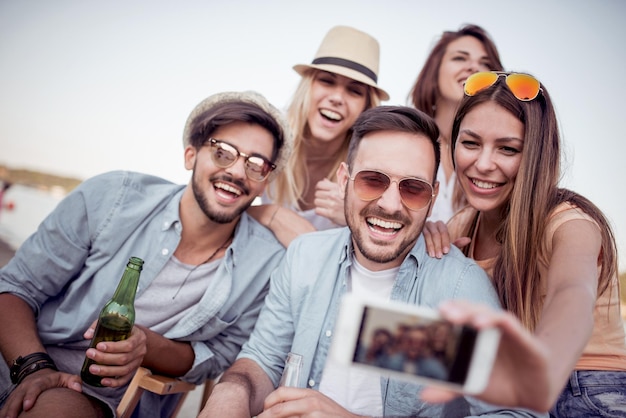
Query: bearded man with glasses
[
  {"x": 389, "y": 185},
  {"x": 206, "y": 271}
]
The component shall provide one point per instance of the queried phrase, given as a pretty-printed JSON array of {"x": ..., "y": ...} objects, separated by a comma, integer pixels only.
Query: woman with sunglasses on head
[
  {"x": 438, "y": 91},
  {"x": 551, "y": 252},
  {"x": 339, "y": 84}
]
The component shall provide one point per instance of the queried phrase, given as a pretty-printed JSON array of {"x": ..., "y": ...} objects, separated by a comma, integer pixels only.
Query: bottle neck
[{"x": 127, "y": 287}]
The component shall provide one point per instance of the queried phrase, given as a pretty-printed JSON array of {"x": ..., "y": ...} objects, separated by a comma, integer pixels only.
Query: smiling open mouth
[
  {"x": 329, "y": 114},
  {"x": 227, "y": 188},
  {"x": 485, "y": 184},
  {"x": 380, "y": 225}
]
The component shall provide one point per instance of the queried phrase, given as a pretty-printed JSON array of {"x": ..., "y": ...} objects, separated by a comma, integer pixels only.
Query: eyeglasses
[
  {"x": 371, "y": 184},
  {"x": 523, "y": 86},
  {"x": 225, "y": 155}
]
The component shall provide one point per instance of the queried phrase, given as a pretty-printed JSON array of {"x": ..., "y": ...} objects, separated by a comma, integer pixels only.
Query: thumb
[{"x": 89, "y": 333}]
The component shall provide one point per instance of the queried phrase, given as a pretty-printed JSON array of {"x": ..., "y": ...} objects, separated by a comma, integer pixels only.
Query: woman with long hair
[{"x": 551, "y": 252}]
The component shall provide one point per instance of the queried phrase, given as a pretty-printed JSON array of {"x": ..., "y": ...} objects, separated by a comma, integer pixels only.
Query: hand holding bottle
[
  {"x": 291, "y": 372},
  {"x": 115, "y": 324},
  {"x": 117, "y": 361}
]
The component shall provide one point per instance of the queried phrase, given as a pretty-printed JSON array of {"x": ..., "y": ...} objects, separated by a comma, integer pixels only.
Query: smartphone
[{"x": 413, "y": 343}]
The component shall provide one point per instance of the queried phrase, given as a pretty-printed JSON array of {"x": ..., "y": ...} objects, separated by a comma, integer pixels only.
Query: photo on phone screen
[
  {"x": 411, "y": 342},
  {"x": 416, "y": 345}
]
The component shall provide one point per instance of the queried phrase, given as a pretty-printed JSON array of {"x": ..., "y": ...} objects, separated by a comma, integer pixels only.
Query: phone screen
[{"x": 415, "y": 345}]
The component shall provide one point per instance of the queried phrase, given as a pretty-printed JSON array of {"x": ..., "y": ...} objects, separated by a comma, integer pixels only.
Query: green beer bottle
[{"x": 117, "y": 317}]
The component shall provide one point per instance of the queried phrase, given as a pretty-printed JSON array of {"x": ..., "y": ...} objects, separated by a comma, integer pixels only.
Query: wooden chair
[{"x": 161, "y": 385}]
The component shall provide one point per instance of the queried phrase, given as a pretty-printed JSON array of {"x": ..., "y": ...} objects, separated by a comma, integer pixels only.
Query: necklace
[{"x": 224, "y": 245}]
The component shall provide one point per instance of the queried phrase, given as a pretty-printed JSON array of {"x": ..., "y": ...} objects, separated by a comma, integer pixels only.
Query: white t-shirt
[
  {"x": 356, "y": 390},
  {"x": 442, "y": 209}
]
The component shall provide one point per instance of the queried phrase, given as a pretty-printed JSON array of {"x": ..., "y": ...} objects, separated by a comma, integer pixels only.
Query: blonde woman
[{"x": 336, "y": 87}]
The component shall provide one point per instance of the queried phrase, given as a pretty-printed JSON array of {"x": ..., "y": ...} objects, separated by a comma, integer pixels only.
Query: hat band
[{"x": 348, "y": 64}]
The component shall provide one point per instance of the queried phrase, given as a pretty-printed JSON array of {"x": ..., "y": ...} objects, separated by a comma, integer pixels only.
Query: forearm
[
  {"x": 165, "y": 356},
  {"x": 565, "y": 329},
  {"x": 18, "y": 334},
  {"x": 284, "y": 223},
  {"x": 240, "y": 392}
]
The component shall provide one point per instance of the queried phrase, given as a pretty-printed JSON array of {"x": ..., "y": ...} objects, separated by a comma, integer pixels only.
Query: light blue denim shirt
[
  {"x": 71, "y": 266},
  {"x": 303, "y": 303}
]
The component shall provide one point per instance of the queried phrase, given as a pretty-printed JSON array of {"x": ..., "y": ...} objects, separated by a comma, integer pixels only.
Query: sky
[{"x": 92, "y": 86}]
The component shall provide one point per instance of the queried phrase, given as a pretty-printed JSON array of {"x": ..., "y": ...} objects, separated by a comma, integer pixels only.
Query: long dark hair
[{"x": 534, "y": 196}]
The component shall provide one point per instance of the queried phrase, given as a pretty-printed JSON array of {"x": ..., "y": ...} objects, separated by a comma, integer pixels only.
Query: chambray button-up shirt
[
  {"x": 303, "y": 303},
  {"x": 71, "y": 266}
]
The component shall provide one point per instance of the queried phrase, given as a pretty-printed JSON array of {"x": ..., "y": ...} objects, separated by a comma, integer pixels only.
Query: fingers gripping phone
[{"x": 413, "y": 343}]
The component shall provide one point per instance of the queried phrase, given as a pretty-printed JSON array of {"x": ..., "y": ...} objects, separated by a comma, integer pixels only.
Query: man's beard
[
  {"x": 215, "y": 215},
  {"x": 381, "y": 254}
]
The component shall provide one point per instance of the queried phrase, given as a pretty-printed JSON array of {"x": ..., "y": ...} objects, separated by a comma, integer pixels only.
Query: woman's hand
[
  {"x": 521, "y": 375},
  {"x": 437, "y": 239},
  {"x": 329, "y": 201}
]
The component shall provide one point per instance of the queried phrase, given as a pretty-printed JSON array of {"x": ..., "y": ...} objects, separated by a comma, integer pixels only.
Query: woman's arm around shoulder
[{"x": 285, "y": 223}]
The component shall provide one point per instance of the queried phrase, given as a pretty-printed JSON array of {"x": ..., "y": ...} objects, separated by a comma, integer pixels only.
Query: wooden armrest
[
  {"x": 145, "y": 380},
  {"x": 133, "y": 393},
  {"x": 164, "y": 385}
]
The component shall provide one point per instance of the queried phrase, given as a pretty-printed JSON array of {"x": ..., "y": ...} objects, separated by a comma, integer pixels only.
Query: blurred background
[{"x": 87, "y": 87}]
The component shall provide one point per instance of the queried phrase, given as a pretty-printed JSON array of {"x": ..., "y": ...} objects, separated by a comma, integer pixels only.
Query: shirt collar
[{"x": 170, "y": 217}]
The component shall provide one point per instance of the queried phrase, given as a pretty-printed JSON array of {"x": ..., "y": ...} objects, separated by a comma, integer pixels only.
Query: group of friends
[{"x": 451, "y": 202}]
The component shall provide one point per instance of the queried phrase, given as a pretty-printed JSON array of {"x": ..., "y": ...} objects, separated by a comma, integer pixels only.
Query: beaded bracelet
[{"x": 24, "y": 366}]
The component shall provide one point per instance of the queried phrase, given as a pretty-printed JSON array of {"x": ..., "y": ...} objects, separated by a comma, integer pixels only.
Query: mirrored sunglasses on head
[{"x": 523, "y": 86}]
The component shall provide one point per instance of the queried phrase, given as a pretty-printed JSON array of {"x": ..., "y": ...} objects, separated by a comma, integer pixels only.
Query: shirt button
[
  {"x": 311, "y": 382},
  {"x": 166, "y": 225},
  {"x": 329, "y": 333},
  {"x": 165, "y": 251}
]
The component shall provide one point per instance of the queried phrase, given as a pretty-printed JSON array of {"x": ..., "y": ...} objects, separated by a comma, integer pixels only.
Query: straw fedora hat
[{"x": 348, "y": 52}]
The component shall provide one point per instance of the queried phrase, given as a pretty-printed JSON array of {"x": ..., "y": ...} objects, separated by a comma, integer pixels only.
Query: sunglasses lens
[
  {"x": 479, "y": 81},
  {"x": 256, "y": 168},
  {"x": 416, "y": 194},
  {"x": 223, "y": 155},
  {"x": 523, "y": 86},
  {"x": 370, "y": 185}
]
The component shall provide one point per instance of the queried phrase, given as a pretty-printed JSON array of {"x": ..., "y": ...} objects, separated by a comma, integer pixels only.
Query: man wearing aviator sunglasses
[
  {"x": 388, "y": 180},
  {"x": 415, "y": 193}
]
